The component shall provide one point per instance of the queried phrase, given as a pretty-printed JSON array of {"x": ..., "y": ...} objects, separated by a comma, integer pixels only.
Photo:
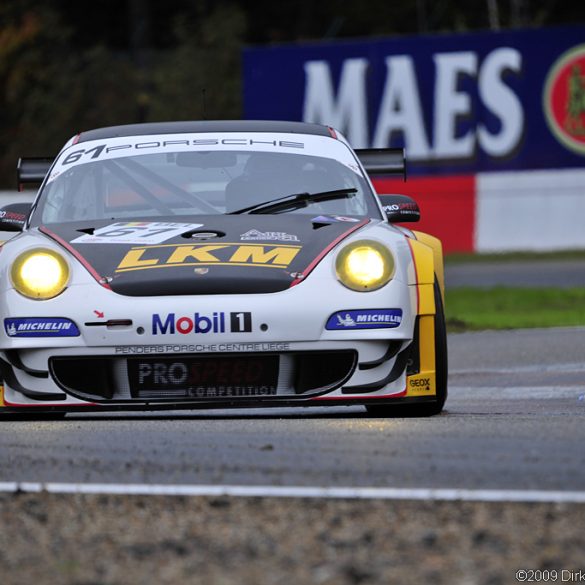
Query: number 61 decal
[{"x": 136, "y": 233}]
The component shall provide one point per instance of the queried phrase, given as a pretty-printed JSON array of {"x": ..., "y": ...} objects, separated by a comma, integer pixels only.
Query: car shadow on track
[{"x": 356, "y": 412}]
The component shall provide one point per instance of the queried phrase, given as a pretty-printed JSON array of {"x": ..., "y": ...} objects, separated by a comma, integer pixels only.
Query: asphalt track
[{"x": 514, "y": 420}]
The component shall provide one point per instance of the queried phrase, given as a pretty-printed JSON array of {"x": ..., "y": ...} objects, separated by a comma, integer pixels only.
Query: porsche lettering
[
  {"x": 147, "y": 257},
  {"x": 81, "y": 155}
]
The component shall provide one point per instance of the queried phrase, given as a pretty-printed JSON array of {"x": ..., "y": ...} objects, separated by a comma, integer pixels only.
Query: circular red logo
[{"x": 564, "y": 99}]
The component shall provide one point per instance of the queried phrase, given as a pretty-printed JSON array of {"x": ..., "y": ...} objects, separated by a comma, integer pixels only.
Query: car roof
[{"x": 204, "y": 126}]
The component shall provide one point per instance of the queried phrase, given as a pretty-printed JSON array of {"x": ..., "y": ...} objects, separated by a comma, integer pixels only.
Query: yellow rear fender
[
  {"x": 427, "y": 256},
  {"x": 437, "y": 247}
]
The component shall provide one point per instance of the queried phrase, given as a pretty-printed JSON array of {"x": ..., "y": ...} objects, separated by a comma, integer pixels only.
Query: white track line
[{"x": 373, "y": 493}]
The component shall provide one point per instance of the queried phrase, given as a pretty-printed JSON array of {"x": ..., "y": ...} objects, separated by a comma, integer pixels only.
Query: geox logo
[{"x": 165, "y": 256}]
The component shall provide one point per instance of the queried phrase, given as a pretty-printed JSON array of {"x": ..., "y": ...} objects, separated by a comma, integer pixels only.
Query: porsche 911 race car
[{"x": 218, "y": 264}]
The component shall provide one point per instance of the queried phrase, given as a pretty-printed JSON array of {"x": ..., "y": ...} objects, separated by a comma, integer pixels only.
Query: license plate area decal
[{"x": 203, "y": 377}]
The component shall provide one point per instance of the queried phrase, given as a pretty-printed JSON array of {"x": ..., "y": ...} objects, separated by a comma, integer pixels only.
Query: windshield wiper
[{"x": 295, "y": 201}]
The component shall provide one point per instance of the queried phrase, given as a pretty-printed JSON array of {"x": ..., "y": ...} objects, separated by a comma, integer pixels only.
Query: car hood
[{"x": 224, "y": 254}]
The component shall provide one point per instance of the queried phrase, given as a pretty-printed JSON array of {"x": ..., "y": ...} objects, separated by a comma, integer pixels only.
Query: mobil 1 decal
[
  {"x": 201, "y": 323},
  {"x": 240, "y": 322}
]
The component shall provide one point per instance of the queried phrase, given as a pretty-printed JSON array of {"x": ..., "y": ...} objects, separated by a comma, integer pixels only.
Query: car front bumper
[{"x": 290, "y": 325}]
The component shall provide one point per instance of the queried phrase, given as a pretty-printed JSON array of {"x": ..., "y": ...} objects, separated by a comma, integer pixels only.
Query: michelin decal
[
  {"x": 365, "y": 319},
  {"x": 40, "y": 327}
]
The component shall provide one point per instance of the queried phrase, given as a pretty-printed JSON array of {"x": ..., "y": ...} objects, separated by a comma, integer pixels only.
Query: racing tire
[{"x": 441, "y": 373}]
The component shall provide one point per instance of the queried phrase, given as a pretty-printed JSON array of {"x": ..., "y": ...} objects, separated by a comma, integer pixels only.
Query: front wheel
[{"x": 441, "y": 372}]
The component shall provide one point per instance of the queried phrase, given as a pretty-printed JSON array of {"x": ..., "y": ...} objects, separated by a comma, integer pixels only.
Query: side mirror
[
  {"x": 13, "y": 216},
  {"x": 400, "y": 208}
]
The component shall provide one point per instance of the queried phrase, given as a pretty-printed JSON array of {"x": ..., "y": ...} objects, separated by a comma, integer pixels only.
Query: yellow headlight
[
  {"x": 40, "y": 274},
  {"x": 364, "y": 265}
]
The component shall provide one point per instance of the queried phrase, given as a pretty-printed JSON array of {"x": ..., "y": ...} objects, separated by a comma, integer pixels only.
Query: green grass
[{"x": 469, "y": 309}]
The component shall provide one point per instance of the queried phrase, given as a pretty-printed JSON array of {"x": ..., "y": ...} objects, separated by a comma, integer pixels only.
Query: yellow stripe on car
[{"x": 424, "y": 382}]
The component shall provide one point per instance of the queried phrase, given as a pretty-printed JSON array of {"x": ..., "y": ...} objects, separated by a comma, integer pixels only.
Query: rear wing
[
  {"x": 32, "y": 171},
  {"x": 383, "y": 161}
]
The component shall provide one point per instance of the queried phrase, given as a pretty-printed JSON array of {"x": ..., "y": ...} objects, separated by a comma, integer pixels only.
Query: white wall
[{"x": 530, "y": 210}]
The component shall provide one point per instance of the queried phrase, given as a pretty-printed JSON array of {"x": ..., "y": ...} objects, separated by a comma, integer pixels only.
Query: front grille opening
[
  {"x": 323, "y": 370},
  {"x": 197, "y": 377},
  {"x": 92, "y": 376}
]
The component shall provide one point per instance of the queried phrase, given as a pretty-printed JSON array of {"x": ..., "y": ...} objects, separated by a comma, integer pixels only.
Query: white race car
[{"x": 218, "y": 264}]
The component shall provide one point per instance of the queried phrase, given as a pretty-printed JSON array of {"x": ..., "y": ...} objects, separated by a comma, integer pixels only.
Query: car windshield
[{"x": 178, "y": 181}]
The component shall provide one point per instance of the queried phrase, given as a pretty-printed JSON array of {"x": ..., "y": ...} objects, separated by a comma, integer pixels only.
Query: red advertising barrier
[{"x": 447, "y": 206}]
